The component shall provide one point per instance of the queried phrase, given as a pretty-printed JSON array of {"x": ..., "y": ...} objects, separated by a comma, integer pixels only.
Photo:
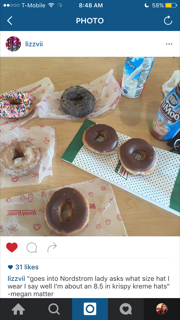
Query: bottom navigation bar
[{"x": 100, "y": 309}]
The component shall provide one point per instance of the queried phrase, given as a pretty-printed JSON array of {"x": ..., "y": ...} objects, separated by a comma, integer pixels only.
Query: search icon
[
  {"x": 56, "y": 308},
  {"x": 31, "y": 247}
]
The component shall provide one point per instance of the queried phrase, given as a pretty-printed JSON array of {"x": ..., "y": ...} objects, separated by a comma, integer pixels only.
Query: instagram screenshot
[{"x": 90, "y": 160}]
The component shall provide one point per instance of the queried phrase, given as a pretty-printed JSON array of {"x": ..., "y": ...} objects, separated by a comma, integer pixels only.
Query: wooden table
[{"x": 131, "y": 117}]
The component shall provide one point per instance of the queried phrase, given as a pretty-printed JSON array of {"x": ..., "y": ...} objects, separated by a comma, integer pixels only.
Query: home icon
[{"x": 18, "y": 309}]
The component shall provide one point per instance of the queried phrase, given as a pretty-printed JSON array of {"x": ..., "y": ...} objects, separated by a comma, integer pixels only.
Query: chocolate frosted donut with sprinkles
[{"x": 16, "y": 104}]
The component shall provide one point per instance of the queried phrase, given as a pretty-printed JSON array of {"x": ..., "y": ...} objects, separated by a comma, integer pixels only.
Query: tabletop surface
[{"x": 131, "y": 117}]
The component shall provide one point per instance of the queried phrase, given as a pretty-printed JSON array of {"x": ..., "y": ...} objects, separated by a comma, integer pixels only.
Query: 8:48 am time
[{"x": 90, "y": 5}]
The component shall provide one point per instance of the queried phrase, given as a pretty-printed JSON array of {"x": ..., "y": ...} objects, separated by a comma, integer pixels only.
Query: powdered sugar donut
[{"x": 16, "y": 104}]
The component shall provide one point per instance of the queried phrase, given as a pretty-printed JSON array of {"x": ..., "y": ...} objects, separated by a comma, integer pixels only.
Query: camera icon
[{"x": 90, "y": 309}]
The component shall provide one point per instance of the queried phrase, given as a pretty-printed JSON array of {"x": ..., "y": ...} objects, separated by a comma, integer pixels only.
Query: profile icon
[
  {"x": 13, "y": 43},
  {"x": 161, "y": 308}
]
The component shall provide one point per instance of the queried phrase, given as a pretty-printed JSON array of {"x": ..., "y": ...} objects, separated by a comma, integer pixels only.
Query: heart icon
[
  {"x": 11, "y": 246},
  {"x": 10, "y": 267},
  {"x": 36, "y": 226},
  {"x": 125, "y": 309}
]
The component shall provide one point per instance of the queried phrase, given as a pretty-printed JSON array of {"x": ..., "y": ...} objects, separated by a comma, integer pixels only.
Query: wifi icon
[{"x": 50, "y": 5}]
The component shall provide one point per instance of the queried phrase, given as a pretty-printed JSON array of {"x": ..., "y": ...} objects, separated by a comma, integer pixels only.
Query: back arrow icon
[
  {"x": 53, "y": 245},
  {"x": 9, "y": 21}
]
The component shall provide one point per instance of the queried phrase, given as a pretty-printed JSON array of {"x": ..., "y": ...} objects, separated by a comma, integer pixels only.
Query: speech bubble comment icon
[
  {"x": 31, "y": 247},
  {"x": 125, "y": 309}
]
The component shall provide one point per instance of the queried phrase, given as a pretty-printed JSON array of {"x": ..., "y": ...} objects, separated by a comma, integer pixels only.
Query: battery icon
[{"x": 171, "y": 5}]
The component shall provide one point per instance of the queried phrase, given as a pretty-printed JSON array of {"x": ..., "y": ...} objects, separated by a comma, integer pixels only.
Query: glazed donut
[
  {"x": 67, "y": 226},
  {"x": 19, "y": 158},
  {"x": 127, "y": 153},
  {"x": 16, "y": 104},
  {"x": 107, "y": 146},
  {"x": 77, "y": 101}
]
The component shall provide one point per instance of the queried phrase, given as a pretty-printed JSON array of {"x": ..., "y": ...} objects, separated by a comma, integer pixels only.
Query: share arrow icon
[{"x": 53, "y": 246}]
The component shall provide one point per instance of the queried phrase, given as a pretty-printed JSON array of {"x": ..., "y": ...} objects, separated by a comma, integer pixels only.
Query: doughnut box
[{"x": 161, "y": 187}]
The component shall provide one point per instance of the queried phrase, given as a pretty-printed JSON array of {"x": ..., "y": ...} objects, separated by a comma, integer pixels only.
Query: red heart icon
[
  {"x": 36, "y": 226},
  {"x": 11, "y": 246}
]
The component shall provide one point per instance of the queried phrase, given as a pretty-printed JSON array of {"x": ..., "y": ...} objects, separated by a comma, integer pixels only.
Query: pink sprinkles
[{"x": 22, "y": 109}]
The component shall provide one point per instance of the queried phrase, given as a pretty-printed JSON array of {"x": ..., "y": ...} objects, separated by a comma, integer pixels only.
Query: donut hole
[
  {"x": 100, "y": 136},
  {"x": 139, "y": 155},
  {"x": 66, "y": 211},
  {"x": 76, "y": 98},
  {"x": 14, "y": 101},
  {"x": 18, "y": 153}
]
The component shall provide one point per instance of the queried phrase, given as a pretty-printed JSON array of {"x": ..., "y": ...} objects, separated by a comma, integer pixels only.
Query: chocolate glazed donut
[
  {"x": 107, "y": 146},
  {"x": 80, "y": 212},
  {"x": 77, "y": 101},
  {"x": 130, "y": 163}
]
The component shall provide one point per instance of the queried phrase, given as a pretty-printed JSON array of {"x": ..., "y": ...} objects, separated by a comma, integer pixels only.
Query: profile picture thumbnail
[
  {"x": 161, "y": 308},
  {"x": 13, "y": 43}
]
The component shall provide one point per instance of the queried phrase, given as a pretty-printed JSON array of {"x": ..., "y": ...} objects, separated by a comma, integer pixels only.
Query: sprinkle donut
[{"x": 16, "y": 104}]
